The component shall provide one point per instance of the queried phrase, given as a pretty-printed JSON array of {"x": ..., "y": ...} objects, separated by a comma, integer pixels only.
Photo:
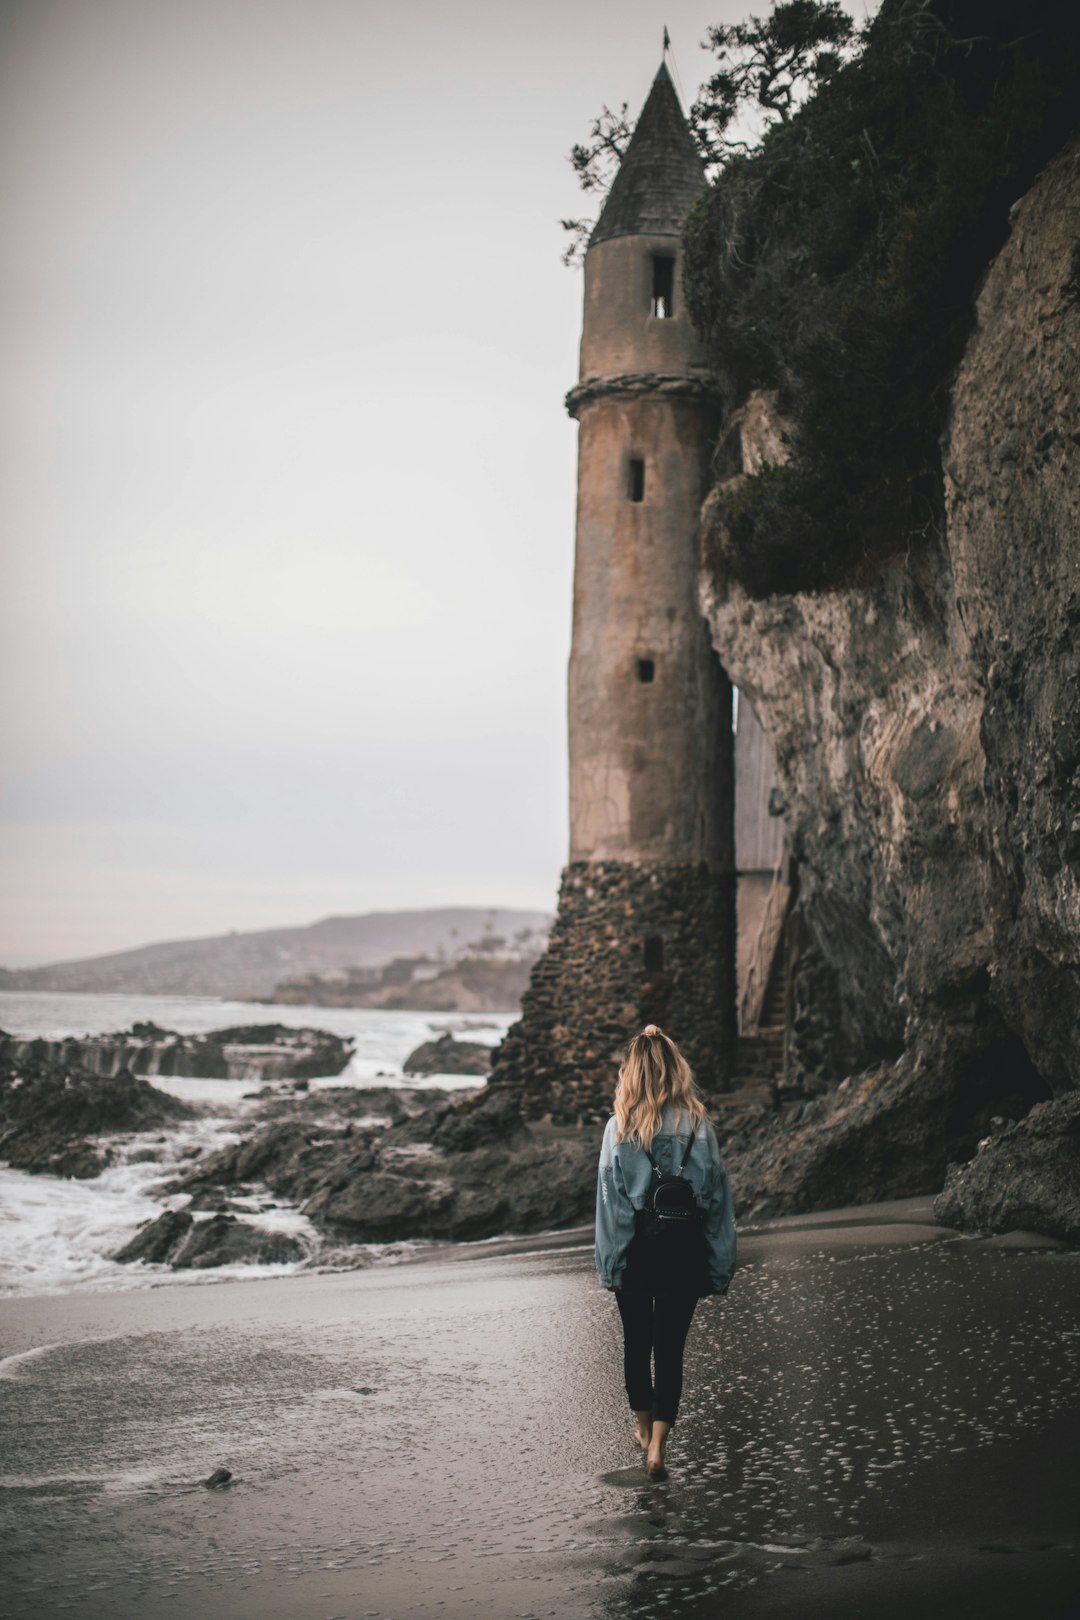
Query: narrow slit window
[
  {"x": 646, "y": 670},
  {"x": 663, "y": 287},
  {"x": 654, "y": 954},
  {"x": 637, "y": 479}
]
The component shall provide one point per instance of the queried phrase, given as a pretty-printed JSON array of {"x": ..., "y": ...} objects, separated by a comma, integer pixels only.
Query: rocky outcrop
[
  {"x": 453, "y": 1170},
  {"x": 367, "y": 1166},
  {"x": 1025, "y": 1177},
  {"x": 53, "y": 1115},
  {"x": 531, "y": 1186},
  {"x": 445, "y": 1055},
  {"x": 926, "y": 727},
  {"x": 244, "y": 1052},
  {"x": 890, "y": 1132}
]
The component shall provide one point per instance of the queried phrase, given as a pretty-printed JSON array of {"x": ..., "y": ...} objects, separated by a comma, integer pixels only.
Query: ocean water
[
  {"x": 57, "y": 1235},
  {"x": 383, "y": 1039}
]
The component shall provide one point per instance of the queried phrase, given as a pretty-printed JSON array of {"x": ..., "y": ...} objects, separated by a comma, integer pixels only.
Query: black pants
[{"x": 654, "y": 1326}]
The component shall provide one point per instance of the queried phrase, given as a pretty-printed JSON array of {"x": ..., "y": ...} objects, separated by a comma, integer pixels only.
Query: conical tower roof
[{"x": 661, "y": 174}]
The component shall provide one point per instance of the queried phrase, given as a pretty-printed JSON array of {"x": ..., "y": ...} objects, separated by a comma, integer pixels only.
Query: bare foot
[
  {"x": 654, "y": 1463},
  {"x": 643, "y": 1429}
]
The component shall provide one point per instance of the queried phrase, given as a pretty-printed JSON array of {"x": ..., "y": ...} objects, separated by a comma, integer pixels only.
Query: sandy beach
[{"x": 881, "y": 1415}]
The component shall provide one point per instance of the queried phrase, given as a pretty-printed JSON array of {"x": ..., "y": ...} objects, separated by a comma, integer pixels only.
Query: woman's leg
[
  {"x": 671, "y": 1325},
  {"x": 643, "y": 1428},
  {"x": 674, "y": 1313},
  {"x": 636, "y": 1311}
]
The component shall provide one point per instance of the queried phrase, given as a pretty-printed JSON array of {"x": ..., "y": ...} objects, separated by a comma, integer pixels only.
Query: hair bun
[{"x": 652, "y": 1029}]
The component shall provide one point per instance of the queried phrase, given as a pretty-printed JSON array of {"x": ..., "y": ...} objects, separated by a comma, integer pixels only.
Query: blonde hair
[{"x": 654, "y": 1072}]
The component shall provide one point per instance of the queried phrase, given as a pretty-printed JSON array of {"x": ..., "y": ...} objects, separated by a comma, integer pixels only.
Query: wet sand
[{"x": 880, "y": 1417}]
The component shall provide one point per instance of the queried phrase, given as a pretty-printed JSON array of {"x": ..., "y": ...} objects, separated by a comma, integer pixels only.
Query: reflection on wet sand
[{"x": 878, "y": 1416}]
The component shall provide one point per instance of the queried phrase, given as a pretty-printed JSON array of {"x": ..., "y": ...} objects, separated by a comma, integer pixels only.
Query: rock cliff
[
  {"x": 887, "y": 291},
  {"x": 925, "y": 717}
]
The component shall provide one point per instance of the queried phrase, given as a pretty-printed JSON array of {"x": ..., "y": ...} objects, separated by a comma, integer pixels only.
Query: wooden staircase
[
  {"x": 760, "y": 1057},
  {"x": 759, "y": 1051}
]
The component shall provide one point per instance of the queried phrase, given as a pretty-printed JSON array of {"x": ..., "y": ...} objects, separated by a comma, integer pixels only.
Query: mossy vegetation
[{"x": 840, "y": 262}]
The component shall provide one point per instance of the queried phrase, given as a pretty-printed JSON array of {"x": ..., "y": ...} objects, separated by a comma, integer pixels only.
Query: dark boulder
[
  {"x": 380, "y": 1206},
  {"x": 420, "y": 1127},
  {"x": 491, "y": 1119},
  {"x": 225, "y": 1241},
  {"x": 480, "y": 1211},
  {"x": 1027, "y": 1177},
  {"x": 548, "y": 1184},
  {"x": 445, "y": 1055},
  {"x": 157, "y": 1241},
  {"x": 276, "y": 1051},
  {"x": 265, "y": 1152},
  {"x": 178, "y": 1240}
]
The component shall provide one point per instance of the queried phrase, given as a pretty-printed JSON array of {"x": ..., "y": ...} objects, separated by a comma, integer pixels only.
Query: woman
[{"x": 658, "y": 1129}]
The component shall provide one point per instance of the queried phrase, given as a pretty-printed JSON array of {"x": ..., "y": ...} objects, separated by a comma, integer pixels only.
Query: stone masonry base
[{"x": 631, "y": 945}]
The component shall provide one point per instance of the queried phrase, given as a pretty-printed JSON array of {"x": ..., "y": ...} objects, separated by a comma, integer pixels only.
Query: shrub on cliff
[{"x": 839, "y": 264}]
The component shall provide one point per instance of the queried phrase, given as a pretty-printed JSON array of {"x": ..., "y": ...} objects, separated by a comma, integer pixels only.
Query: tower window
[
  {"x": 654, "y": 953},
  {"x": 663, "y": 287},
  {"x": 637, "y": 479},
  {"x": 646, "y": 670}
]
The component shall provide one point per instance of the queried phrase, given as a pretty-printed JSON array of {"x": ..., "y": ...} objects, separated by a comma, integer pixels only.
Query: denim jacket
[{"x": 622, "y": 1186}]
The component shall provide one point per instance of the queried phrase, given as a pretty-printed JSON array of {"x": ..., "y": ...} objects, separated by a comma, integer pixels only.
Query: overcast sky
[{"x": 287, "y": 487}]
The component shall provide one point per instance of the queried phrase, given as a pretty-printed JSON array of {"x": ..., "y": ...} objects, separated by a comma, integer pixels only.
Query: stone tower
[{"x": 645, "y": 925}]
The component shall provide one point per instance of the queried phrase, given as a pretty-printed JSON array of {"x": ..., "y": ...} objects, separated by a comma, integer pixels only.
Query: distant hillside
[
  {"x": 251, "y": 964},
  {"x": 473, "y": 984}
]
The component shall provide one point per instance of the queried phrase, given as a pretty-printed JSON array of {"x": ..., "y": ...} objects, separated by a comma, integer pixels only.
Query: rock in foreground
[
  {"x": 158, "y": 1240},
  {"x": 1027, "y": 1178},
  {"x": 177, "y": 1239},
  {"x": 224, "y": 1240}
]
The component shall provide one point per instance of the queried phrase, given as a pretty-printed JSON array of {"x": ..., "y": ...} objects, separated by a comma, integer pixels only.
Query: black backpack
[{"x": 667, "y": 1254}]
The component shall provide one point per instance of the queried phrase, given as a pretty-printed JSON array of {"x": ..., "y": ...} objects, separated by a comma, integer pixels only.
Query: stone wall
[{"x": 603, "y": 977}]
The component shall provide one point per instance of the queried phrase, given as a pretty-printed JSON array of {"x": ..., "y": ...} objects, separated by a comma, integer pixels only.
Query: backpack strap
[{"x": 685, "y": 1157}]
